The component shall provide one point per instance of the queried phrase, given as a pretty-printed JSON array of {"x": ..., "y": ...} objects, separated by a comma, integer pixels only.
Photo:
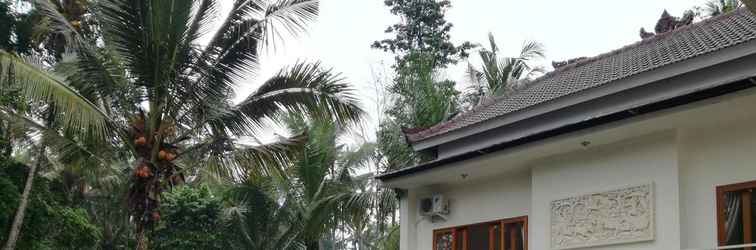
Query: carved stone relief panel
[{"x": 618, "y": 216}]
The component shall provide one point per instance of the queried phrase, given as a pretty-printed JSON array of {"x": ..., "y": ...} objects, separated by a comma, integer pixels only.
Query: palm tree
[
  {"x": 18, "y": 219},
  {"x": 21, "y": 36},
  {"x": 499, "y": 75},
  {"x": 310, "y": 201},
  {"x": 261, "y": 222},
  {"x": 718, "y": 7},
  {"x": 64, "y": 159},
  {"x": 316, "y": 184},
  {"x": 149, "y": 93},
  {"x": 368, "y": 227}
]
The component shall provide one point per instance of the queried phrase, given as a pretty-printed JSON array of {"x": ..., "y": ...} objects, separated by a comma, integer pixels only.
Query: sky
[{"x": 341, "y": 37}]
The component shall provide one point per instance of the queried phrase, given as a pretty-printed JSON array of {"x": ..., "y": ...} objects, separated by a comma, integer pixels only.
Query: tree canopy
[{"x": 423, "y": 30}]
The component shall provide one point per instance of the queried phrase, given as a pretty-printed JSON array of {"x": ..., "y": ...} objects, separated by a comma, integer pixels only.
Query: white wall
[
  {"x": 696, "y": 151},
  {"x": 711, "y": 157},
  {"x": 498, "y": 197},
  {"x": 640, "y": 161}
]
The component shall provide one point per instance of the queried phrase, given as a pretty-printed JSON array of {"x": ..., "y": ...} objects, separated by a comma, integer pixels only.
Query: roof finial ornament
[
  {"x": 667, "y": 23},
  {"x": 645, "y": 34}
]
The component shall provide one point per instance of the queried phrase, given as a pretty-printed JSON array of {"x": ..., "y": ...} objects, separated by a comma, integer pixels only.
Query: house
[{"x": 651, "y": 146}]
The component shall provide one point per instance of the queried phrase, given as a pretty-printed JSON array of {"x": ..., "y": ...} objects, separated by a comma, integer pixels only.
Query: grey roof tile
[{"x": 652, "y": 53}]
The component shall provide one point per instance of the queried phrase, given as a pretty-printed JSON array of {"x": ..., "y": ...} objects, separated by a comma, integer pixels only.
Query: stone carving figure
[{"x": 669, "y": 23}]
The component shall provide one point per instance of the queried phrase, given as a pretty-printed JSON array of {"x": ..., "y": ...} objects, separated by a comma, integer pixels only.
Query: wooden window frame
[
  {"x": 464, "y": 230},
  {"x": 720, "y": 192}
]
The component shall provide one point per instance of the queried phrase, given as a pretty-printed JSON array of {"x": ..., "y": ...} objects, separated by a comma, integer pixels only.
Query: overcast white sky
[{"x": 342, "y": 35}]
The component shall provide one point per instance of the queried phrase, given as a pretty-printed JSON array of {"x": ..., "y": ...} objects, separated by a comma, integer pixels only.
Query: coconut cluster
[
  {"x": 143, "y": 146},
  {"x": 150, "y": 175}
]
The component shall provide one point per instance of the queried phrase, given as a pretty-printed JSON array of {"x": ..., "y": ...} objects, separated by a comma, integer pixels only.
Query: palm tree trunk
[
  {"x": 5, "y": 143},
  {"x": 107, "y": 236},
  {"x": 19, "y": 219},
  {"x": 141, "y": 239}
]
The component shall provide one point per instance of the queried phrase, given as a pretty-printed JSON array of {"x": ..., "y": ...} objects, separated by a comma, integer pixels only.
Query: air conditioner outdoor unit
[{"x": 434, "y": 206}]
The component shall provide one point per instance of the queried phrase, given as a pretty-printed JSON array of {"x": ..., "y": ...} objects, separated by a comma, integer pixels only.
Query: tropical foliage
[
  {"x": 16, "y": 31},
  {"x": 191, "y": 218},
  {"x": 419, "y": 99},
  {"x": 53, "y": 222},
  {"x": 115, "y": 98},
  {"x": 423, "y": 30},
  {"x": 718, "y": 7},
  {"x": 499, "y": 75}
]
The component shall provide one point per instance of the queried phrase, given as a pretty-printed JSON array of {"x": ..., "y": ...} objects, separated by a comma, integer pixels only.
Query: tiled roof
[{"x": 652, "y": 53}]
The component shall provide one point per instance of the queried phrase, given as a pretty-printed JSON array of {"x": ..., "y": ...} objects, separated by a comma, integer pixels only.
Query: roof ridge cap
[{"x": 636, "y": 44}]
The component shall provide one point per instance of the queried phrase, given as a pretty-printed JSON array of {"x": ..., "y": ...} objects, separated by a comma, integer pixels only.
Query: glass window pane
[
  {"x": 496, "y": 236},
  {"x": 739, "y": 211},
  {"x": 462, "y": 235},
  {"x": 444, "y": 241},
  {"x": 514, "y": 236},
  {"x": 478, "y": 237},
  {"x": 733, "y": 228},
  {"x": 520, "y": 236}
]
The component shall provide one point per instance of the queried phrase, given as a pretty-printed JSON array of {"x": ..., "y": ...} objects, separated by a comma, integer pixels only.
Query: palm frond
[
  {"x": 360, "y": 157},
  {"x": 66, "y": 149},
  {"x": 532, "y": 50},
  {"x": 232, "y": 53},
  {"x": 304, "y": 88},
  {"x": 202, "y": 16},
  {"x": 123, "y": 30},
  {"x": 288, "y": 17},
  {"x": 265, "y": 221},
  {"x": 269, "y": 19},
  {"x": 149, "y": 36},
  {"x": 57, "y": 22},
  {"x": 502, "y": 74},
  {"x": 100, "y": 77},
  {"x": 229, "y": 161},
  {"x": 718, "y": 7},
  {"x": 79, "y": 114},
  {"x": 473, "y": 75},
  {"x": 492, "y": 43},
  {"x": 96, "y": 73},
  {"x": 270, "y": 158}
]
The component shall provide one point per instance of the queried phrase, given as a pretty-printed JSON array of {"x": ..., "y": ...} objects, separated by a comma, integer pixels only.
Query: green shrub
[
  {"x": 190, "y": 219},
  {"x": 48, "y": 224}
]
